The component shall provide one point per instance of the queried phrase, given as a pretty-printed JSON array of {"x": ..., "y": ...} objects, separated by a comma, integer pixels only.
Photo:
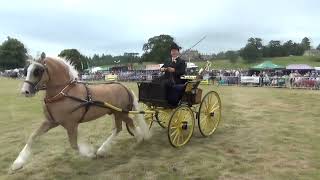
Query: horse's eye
[
  {"x": 25, "y": 71},
  {"x": 37, "y": 72}
]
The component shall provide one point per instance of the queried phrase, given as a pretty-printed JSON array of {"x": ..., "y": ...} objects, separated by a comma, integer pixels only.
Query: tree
[
  {"x": 221, "y": 55},
  {"x": 232, "y": 56},
  {"x": 298, "y": 49},
  {"x": 288, "y": 48},
  {"x": 75, "y": 57},
  {"x": 157, "y": 48},
  {"x": 305, "y": 43},
  {"x": 13, "y": 54},
  {"x": 253, "y": 50},
  {"x": 275, "y": 49}
]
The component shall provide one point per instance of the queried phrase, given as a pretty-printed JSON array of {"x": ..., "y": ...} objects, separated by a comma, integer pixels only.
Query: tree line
[
  {"x": 13, "y": 53},
  {"x": 254, "y": 50}
]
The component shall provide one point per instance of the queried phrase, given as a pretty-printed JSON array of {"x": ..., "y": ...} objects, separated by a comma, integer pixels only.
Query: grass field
[{"x": 264, "y": 134}]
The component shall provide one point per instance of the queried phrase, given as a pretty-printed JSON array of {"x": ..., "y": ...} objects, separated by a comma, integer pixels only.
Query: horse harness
[{"x": 86, "y": 103}]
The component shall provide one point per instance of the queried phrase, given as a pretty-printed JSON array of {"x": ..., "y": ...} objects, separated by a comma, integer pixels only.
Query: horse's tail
[
  {"x": 140, "y": 118},
  {"x": 134, "y": 105}
]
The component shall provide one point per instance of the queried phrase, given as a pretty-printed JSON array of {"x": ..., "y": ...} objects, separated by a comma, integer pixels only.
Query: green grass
[{"x": 264, "y": 134}]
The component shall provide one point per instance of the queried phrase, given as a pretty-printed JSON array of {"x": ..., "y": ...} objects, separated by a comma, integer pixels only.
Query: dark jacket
[{"x": 180, "y": 69}]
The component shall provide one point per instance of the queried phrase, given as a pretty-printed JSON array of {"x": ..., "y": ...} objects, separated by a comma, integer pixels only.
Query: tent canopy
[
  {"x": 267, "y": 65},
  {"x": 299, "y": 67}
]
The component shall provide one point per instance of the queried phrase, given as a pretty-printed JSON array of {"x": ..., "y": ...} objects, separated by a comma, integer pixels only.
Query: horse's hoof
[
  {"x": 15, "y": 167},
  {"x": 101, "y": 154}
]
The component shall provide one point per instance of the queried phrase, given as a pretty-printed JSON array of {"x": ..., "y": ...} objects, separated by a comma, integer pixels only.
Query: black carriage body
[{"x": 154, "y": 94}]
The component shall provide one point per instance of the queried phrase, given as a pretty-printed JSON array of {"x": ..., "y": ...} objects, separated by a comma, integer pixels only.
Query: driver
[{"x": 174, "y": 68}]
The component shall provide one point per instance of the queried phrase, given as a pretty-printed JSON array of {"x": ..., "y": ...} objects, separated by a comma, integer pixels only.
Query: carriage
[{"x": 179, "y": 108}]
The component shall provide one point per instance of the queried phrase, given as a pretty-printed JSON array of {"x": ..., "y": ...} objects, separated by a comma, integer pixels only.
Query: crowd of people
[
  {"x": 279, "y": 78},
  {"x": 292, "y": 79}
]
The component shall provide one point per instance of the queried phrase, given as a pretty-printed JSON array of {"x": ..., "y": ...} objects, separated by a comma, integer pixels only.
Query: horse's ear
[{"x": 30, "y": 61}]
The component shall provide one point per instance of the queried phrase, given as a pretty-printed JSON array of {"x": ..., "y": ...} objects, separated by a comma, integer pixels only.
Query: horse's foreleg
[
  {"x": 106, "y": 146},
  {"x": 84, "y": 149},
  {"x": 26, "y": 151}
]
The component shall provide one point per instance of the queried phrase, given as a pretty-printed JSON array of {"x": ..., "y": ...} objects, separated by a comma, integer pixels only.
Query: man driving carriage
[
  {"x": 171, "y": 84},
  {"x": 173, "y": 68}
]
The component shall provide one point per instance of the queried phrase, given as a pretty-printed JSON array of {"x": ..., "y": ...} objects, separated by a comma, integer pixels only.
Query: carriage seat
[
  {"x": 176, "y": 92},
  {"x": 153, "y": 93}
]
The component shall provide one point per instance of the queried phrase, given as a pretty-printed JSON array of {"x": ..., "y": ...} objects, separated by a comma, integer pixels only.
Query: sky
[{"x": 115, "y": 27}]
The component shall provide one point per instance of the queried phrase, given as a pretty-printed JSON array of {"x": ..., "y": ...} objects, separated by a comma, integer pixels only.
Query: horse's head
[
  {"x": 36, "y": 78},
  {"x": 49, "y": 73}
]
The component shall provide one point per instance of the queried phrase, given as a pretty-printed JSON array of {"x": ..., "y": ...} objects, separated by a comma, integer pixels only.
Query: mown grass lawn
[{"x": 264, "y": 134}]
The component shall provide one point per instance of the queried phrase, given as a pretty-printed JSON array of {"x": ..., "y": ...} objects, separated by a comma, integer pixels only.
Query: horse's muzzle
[{"x": 27, "y": 90}]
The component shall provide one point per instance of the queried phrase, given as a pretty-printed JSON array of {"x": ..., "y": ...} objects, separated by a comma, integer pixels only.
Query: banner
[{"x": 250, "y": 79}]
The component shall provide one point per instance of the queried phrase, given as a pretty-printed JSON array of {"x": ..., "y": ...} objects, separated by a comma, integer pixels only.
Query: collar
[{"x": 174, "y": 59}]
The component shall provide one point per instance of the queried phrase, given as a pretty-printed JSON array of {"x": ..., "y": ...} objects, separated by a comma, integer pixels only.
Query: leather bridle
[{"x": 35, "y": 85}]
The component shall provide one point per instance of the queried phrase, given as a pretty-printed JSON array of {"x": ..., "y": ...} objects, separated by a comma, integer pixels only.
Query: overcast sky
[{"x": 114, "y": 27}]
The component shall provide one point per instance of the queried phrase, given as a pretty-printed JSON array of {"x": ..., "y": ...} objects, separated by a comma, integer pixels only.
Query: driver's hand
[
  {"x": 163, "y": 69},
  {"x": 170, "y": 69}
]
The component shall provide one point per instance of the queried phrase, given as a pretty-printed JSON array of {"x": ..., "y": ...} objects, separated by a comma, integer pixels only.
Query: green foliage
[
  {"x": 76, "y": 58},
  {"x": 253, "y": 50},
  {"x": 305, "y": 43},
  {"x": 232, "y": 56},
  {"x": 102, "y": 60},
  {"x": 13, "y": 54},
  {"x": 157, "y": 48}
]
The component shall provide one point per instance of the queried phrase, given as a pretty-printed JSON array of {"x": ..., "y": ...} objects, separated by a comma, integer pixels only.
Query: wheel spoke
[
  {"x": 178, "y": 140},
  {"x": 173, "y": 127},
  {"x": 175, "y": 137},
  {"x": 174, "y": 132}
]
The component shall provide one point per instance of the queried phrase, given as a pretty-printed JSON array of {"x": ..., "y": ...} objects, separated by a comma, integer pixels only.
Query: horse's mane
[{"x": 72, "y": 71}]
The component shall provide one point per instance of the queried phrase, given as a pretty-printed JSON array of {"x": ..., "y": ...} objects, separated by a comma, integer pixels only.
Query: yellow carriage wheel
[
  {"x": 209, "y": 114},
  {"x": 181, "y": 126},
  {"x": 163, "y": 117},
  {"x": 147, "y": 117}
]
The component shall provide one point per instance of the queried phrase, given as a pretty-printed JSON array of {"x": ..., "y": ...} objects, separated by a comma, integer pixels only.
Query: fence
[{"x": 285, "y": 82}]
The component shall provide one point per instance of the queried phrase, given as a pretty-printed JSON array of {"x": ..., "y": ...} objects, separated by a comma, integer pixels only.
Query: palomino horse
[{"x": 68, "y": 103}]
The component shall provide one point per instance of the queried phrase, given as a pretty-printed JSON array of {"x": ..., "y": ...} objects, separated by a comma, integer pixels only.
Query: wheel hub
[{"x": 184, "y": 125}]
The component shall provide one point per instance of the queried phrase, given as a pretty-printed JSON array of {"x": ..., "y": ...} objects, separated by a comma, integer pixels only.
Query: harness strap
[
  {"x": 61, "y": 94},
  {"x": 86, "y": 104},
  {"x": 50, "y": 113},
  {"x": 130, "y": 105}
]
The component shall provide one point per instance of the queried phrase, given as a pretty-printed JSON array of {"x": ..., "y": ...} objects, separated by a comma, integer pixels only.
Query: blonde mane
[{"x": 72, "y": 71}]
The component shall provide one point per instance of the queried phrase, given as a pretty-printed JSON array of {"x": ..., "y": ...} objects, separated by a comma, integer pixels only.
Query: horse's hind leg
[
  {"x": 134, "y": 129},
  {"x": 26, "y": 151},
  {"x": 117, "y": 127}
]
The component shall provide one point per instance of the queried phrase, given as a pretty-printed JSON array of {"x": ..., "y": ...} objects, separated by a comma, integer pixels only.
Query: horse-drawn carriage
[{"x": 177, "y": 108}]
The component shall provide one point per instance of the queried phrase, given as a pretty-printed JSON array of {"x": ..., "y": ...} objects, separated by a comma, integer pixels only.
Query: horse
[{"x": 68, "y": 103}]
